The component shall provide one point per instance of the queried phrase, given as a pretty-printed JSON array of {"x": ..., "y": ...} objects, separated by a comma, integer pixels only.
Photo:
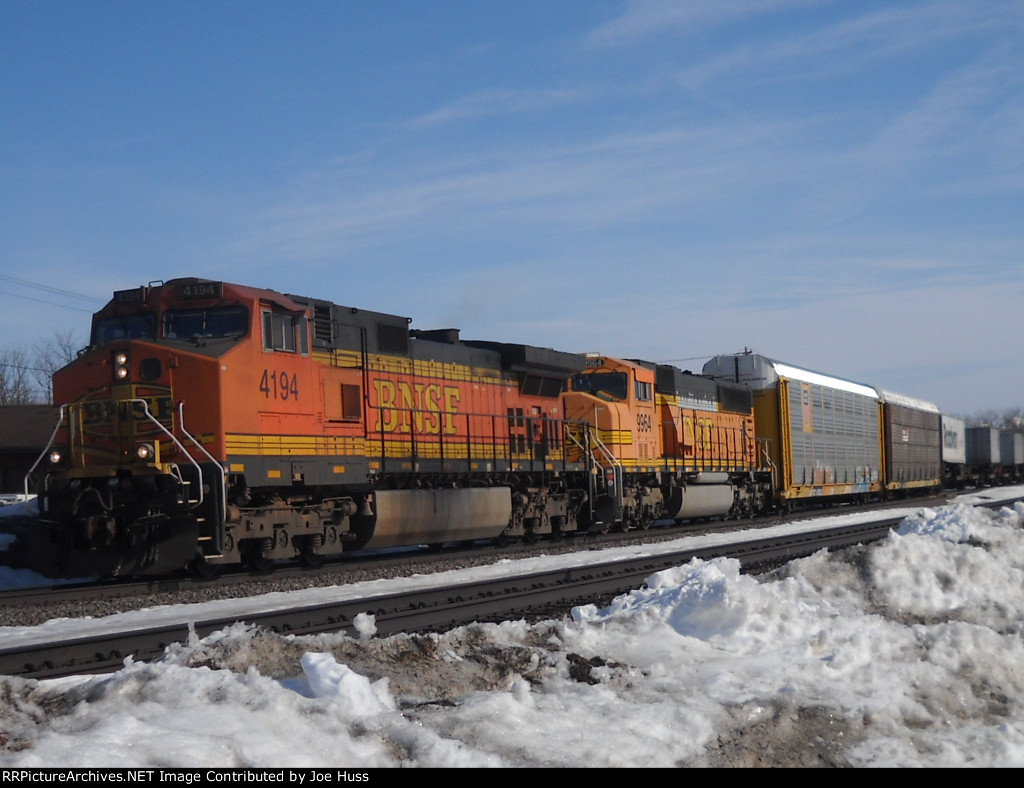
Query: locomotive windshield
[
  {"x": 612, "y": 384},
  {"x": 140, "y": 326},
  {"x": 231, "y": 321}
]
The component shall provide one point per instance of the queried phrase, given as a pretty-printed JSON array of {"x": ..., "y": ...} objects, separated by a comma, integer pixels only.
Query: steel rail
[
  {"x": 420, "y": 610},
  {"x": 441, "y": 606}
]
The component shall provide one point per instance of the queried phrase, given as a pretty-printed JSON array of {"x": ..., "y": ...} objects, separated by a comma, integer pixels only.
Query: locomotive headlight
[
  {"x": 145, "y": 452},
  {"x": 120, "y": 366},
  {"x": 55, "y": 457}
]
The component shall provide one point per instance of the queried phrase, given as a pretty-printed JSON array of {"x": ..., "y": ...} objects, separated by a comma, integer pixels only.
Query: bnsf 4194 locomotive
[{"x": 212, "y": 423}]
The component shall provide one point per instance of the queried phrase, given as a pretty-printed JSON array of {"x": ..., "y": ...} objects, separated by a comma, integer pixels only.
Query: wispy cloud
[
  {"x": 499, "y": 103},
  {"x": 644, "y": 18}
]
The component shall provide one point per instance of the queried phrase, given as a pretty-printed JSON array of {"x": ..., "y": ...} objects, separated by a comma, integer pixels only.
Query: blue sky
[{"x": 839, "y": 185}]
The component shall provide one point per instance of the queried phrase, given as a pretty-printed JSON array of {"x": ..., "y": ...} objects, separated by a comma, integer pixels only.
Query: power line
[
  {"x": 48, "y": 303},
  {"x": 24, "y": 367},
  {"x": 677, "y": 360},
  {"x": 48, "y": 289}
]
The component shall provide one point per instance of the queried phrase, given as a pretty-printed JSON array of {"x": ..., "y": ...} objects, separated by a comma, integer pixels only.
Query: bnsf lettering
[
  {"x": 105, "y": 412},
  {"x": 697, "y": 432},
  {"x": 426, "y": 408}
]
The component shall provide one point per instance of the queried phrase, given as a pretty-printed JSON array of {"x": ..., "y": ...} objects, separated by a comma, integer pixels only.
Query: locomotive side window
[
  {"x": 142, "y": 326},
  {"x": 208, "y": 323},
  {"x": 280, "y": 330},
  {"x": 643, "y": 391}
]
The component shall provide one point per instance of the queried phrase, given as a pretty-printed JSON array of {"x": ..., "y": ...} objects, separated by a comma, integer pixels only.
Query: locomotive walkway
[{"x": 504, "y": 590}]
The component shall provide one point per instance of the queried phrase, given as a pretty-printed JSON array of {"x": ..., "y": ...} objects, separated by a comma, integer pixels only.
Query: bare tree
[
  {"x": 16, "y": 378},
  {"x": 50, "y": 355},
  {"x": 1012, "y": 419},
  {"x": 26, "y": 375}
]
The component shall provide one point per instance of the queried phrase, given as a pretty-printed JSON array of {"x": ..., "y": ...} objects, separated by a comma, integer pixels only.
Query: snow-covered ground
[{"x": 907, "y": 652}]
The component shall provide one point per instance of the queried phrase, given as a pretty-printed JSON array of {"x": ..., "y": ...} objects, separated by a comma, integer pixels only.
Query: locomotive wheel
[
  {"x": 312, "y": 560},
  {"x": 259, "y": 563},
  {"x": 200, "y": 567}
]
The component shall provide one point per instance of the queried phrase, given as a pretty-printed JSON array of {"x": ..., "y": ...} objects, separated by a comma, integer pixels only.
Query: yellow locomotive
[{"x": 672, "y": 445}]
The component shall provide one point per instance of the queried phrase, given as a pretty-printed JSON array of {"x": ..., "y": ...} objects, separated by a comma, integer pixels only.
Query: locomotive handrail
[
  {"x": 615, "y": 465},
  {"x": 538, "y": 442},
  {"x": 183, "y": 450},
  {"x": 49, "y": 443},
  {"x": 585, "y": 452},
  {"x": 764, "y": 444},
  {"x": 211, "y": 458},
  {"x": 174, "y": 440}
]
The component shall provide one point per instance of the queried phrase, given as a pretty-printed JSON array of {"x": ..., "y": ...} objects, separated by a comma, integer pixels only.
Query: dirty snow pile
[{"x": 907, "y": 652}]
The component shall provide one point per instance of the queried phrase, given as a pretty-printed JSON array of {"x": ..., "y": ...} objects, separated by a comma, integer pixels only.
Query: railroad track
[
  {"x": 505, "y": 590},
  {"x": 385, "y": 564},
  {"x": 501, "y": 591}
]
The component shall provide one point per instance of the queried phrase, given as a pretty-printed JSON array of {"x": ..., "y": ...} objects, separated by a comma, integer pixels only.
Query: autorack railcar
[
  {"x": 822, "y": 433},
  {"x": 911, "y": 443}
]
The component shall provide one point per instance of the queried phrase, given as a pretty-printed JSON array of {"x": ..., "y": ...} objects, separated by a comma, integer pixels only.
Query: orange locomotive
[
  {"x": 673, "y": 445},
  {"x": 210, "y": 423}
]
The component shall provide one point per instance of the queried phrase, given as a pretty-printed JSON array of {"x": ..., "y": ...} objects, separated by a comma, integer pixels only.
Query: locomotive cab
[
  {"x": 616, "y": 398},
  {"x": 135, "y": 481}
]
